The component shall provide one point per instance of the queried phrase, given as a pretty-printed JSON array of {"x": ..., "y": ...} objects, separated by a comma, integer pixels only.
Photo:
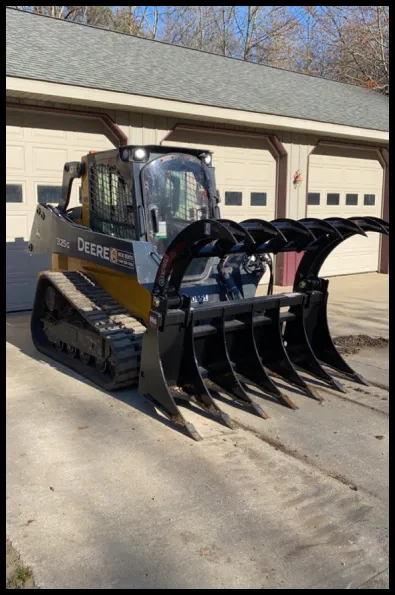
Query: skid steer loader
[{"x": 149, "y": 287}]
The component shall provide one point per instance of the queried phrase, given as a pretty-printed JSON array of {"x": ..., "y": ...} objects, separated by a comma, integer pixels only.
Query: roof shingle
[{"x": 54, "y": 50}]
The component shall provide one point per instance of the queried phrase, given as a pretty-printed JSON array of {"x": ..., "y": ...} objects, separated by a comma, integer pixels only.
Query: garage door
[
  {"x": 38, "y": 146},
  {"x": 245, "y": 173},
  {"x": 346, "y": 184}
]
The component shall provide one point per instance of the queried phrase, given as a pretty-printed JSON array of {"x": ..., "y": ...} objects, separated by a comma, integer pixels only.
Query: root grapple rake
[{"x": 193, "y": 351}]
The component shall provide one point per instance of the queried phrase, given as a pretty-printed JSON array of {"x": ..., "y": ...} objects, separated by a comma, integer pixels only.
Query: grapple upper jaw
[{"x": 372, "y": 224}]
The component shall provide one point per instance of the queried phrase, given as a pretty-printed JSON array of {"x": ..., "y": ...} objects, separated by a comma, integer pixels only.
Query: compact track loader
[{"x": 150, "y": 288}]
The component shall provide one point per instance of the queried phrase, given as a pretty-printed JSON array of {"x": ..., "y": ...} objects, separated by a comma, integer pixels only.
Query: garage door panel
[
  {"x": 17, "y": 225},
  {"x": 38, "y": 146},
  {"x": 22, "y": 269},
  {"x": 49, "y": 160},
  {"x": 15, "y": 159},
  {"x": 49, "y": 134},
  {"x": 344, "y": 174}
]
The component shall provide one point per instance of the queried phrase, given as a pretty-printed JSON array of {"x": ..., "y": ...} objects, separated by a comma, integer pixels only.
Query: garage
[
  {"x": 38, "y": 146},
  {"x": 346, "y": 182}
]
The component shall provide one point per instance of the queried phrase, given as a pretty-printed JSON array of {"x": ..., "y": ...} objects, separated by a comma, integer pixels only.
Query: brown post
[{"x": 384, "y": 252}]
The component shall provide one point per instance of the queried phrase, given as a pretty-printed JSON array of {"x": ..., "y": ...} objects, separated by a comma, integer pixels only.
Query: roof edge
[{"x": 49, "y": 91}]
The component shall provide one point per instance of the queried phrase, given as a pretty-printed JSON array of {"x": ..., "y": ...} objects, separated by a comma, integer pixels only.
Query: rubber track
[{"x": 107, "y": 318}]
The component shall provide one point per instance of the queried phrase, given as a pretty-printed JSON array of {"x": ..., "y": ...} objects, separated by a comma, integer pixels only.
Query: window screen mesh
[{"x": 111, "y": 206}]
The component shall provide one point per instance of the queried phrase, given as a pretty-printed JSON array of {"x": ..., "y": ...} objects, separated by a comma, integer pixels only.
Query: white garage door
[
  {"x": 346, "y": 184},
  {"x": 245, "y": 173},
  {"x": 38, "y": 146}
]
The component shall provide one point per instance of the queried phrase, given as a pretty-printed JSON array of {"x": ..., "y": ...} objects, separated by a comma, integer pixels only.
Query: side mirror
[{"x": 155, "y": 219}]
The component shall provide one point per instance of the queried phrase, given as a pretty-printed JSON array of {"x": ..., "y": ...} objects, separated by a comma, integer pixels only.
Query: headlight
[
  {"x": 139, "y": 154},
  {"x": 207, "y": 159}
]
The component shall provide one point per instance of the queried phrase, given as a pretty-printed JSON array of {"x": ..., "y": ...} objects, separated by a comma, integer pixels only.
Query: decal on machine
[
  {"x": 62, "y": 243},
  {"x": 119, "y": 257},
  {"x": 199, "y": 299}
]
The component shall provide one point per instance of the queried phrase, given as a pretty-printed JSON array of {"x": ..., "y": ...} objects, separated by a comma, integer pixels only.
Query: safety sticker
[
  {"x": 162, "y": 231},
  {"x": 125, "y": 259}
]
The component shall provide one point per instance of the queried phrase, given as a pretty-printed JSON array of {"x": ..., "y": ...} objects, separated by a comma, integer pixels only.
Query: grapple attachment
[{"x": 214, "y": 339}]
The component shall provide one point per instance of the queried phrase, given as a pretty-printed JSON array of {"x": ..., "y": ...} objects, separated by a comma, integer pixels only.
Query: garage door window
[
  {"x": 233, "y": 199},
  {"x": 369, "y": 200},
  {"x": 313, "y": 198},
  {"x": 351, "y": 199},
  {"x": 332, "y": 199},
  {"x": 14, "y": 193},
  {"x": 258, "y": 199},
  {"x": 48, "y": 194}
]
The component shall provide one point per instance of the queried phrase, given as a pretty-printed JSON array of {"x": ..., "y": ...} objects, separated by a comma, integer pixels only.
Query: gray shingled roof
[{"x": 53, "y": 50}]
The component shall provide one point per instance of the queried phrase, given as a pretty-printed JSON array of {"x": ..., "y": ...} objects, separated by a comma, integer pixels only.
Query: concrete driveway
[{"x": 103, "y": 493}]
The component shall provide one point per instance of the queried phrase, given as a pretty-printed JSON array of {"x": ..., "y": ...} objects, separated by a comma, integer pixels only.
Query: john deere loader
[{"x": 150, "y": 288}]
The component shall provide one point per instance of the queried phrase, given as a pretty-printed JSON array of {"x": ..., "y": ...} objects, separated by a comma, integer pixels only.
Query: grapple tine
[
  {"x": 371, "y": 224},
  {"x": 345, "y": 226},
  {"x": 300, "y": 350},
  {"x": 220, "y": 369},
  {"x": 298, "y": 235},
  {"x": 262, "y": 231},
  {"x": 192, "y": 382},
  {"x": 154, "y": 386},
  {"x": 244, "y": 353},
  {"x": 317, "y": 329},
  {"x": 320, "y": 227},
  {"x": 274, "y": 356}
]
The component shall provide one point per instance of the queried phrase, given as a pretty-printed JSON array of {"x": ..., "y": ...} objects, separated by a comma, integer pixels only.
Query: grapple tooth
[
  {"x": 321, "y": 342},
  {"x": 298, "y": 235},
  {"x": 220, "y": 368},
  {"x": 320, "y": 227},
  {"x": 262, "y": 231},
  {"x": 371, "y": 224},
  {"x": 192, "y": 382},
  {"x": 154, "y": 386},
  {"x": 274, "y": 356},
  {"x": 301, "y": 352},
  {"x": 345, "y": 226},
  {"x": 245, "y": 355}
]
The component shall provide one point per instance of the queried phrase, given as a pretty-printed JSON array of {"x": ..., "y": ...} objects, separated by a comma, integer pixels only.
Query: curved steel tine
[
  {"x": 370, "y": 224},
  {"x": 295, "y": 232},
  {"x": 382, "y": 222},
  {"x": 244, "y": 353},
  {"x": 174, "y": 262},
  {"x": 345, "y": 226},
  {"x": 219, "y": 369},
  {"x": 154, "y": 386},
  {"x": 300, "y": 349},
  {"x": 237, "y": 230},
  {"x": 324, "y": 347},
  {"x": 320, "y": 227},
  {"x": 262, "y": 230},
  {"x": 274, "y": 356},
  {"x": 192, "y": 382}
]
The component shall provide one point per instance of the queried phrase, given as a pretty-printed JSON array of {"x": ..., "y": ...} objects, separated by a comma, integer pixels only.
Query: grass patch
[{"x": 19, "y": 578}]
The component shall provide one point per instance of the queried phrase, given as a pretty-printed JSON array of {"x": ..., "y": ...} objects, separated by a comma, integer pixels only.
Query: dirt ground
[
  {"x": 352, "y": 344},
  {"x": 18, "y": 576}
]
